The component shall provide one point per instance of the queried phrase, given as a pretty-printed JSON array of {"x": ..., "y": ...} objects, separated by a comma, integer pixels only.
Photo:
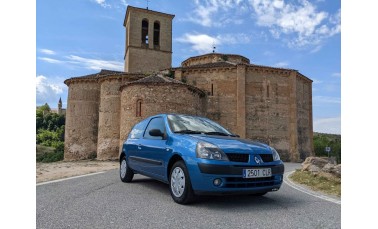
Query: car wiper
[
  {"x": 219, "y": 133},
  {"x": 187, "y": 132}
]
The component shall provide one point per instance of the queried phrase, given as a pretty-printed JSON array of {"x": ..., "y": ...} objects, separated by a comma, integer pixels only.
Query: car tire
[
  {"x": 125, "y": 172},
  {"x": 180, "y": 186}
]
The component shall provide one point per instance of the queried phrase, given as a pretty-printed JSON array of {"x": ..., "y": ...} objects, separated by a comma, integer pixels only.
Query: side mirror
[{"x": 156, "y": 133}]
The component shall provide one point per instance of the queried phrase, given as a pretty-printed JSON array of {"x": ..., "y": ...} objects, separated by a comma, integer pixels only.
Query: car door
[
  {"x": 133, "y": 145},
  {"x": 153, "y": 149}
]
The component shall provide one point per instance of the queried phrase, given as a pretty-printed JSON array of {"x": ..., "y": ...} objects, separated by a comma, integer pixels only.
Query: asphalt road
[{"x": 103, "y": 201}]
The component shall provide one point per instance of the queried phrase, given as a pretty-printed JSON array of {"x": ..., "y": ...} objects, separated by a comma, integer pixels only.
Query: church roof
[
  {"x": 130, "y": 8},
  {"x": 158, "y": 79},
  {"x": 101, "y": 74},
  {"x": 211, "y": 65}
]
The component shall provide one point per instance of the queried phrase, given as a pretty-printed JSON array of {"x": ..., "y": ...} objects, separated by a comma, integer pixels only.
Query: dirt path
[{"x": 59, "y": 170}]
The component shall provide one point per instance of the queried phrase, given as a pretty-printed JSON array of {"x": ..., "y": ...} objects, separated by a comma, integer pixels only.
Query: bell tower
[{"x": 148, "y": 40}]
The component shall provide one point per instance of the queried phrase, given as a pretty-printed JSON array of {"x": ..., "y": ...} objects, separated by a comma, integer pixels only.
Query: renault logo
[{"x": 258, "y": 160}]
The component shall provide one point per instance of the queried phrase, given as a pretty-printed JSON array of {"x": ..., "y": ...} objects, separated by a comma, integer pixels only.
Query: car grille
[
  {"x": 266, "y": 157},
  {"x": 238, "y": 157},
  {"x": 237, "y": 182}
]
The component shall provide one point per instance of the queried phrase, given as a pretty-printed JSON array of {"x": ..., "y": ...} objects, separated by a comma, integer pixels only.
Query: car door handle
[{"x": 139, "y": 146}]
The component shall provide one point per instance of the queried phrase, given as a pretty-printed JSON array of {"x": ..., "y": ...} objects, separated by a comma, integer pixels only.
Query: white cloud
[
  {"x": 47, "y": 51},
  {"x": 318, "y": 100},
  {"x": 328, "y": 125},
  {"x": 95, "y": 64},
  {"x": 309, "y": 25},
  {"x": 315, "y": 81},
  {"x": 203, "y": 43},
  {"x": 316, "y": 49},
  {"x": 217, "y": 12},
  {"x": 49, "y": 91},
  {"x": 50, "y": 60},
  {"x": 88, "y": 63},
  {"x": 282, "y": 64},
  {"x": 336, "y": 74},
  {"x": 124, "y": 2},
  {"x": 269, "y": 53},
  {"x": 200, "y": 43},
  {"x": 103, "y": 3}
]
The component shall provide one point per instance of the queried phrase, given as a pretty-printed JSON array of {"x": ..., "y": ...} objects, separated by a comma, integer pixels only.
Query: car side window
[
  {"x": 155, "y": 123},
  {"x": 137, "y": 131}
]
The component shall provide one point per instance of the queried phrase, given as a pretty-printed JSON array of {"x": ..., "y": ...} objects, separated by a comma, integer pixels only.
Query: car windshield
[{"x": 195, "y": 125}]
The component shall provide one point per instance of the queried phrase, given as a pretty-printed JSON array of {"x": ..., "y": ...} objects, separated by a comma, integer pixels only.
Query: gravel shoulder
[{"x": 63, "y": 169}]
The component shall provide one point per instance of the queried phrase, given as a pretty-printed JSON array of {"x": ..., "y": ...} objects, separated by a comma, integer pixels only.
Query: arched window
[
  {"x": 138, "y": 108},
  {"x": 144, "y": 31},
  {"x": 156, "y": 33}
]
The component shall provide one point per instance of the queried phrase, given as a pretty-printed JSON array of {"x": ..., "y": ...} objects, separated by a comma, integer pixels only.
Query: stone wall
[
  {"x": 82, "y": 120},
  {"x": 213, "y": 58},
  {"x": 304, "y": 118},
  {"x": 220, "y": 85},
  {"x": 147, "y": 57},
  {"x": 109, "y": 114},
  {"x": 146, "y": 60},
  {"x": 267, "y": 108},
  {"x": 156, "y": 99}
]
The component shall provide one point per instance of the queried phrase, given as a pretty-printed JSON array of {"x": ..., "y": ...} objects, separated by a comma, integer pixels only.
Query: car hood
[{"x": 232, "y": 144}]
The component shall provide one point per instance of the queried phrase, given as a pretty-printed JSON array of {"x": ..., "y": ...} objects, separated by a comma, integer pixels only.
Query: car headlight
[
  {"x": 209, "y": 151},
  {"x": 276, "y": 156}
]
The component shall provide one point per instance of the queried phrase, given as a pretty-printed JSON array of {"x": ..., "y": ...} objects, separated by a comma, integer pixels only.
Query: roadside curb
[{"x": 308, "y": 191}]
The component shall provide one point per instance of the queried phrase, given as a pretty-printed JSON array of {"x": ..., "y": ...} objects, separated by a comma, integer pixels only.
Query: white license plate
[{"x": 254, "y": 173}]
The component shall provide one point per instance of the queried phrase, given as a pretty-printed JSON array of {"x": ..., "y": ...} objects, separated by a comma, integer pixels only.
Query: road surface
[{"x": 103, "y": 201}]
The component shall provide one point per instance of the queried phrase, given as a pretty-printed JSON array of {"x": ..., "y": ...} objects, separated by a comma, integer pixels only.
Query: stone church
[{"x": 268, "y": 104}]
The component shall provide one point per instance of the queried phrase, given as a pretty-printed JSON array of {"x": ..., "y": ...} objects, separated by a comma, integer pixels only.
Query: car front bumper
[{"x": 232, "y": 182}]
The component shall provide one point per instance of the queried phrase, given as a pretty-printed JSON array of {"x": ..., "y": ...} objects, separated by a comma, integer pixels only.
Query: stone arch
[
  {"x": 144, "y": 31},
  {"x": 138, "y": 108},
  {"x": 156, "y": 34}
]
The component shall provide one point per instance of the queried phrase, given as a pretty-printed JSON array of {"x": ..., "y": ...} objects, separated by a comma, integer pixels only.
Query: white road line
[
  {"x": 299, "y": 188},
  {"x": 69, "y": 178}
]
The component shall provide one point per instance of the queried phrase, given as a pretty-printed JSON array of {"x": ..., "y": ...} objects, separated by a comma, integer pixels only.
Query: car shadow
[
  {"x": 224, "y": 203},
  {"x": 152, "y": 184}
]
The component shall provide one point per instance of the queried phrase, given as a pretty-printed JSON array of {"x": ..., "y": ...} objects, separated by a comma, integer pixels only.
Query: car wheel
[
  {"x": 180, "y": 185},
  {"x": 125, "y": 172}
]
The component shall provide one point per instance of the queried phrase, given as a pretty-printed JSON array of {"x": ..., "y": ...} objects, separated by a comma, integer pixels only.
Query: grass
[
  {"x": 328, "y": 185},
  {"x": 48, "y": 154}
]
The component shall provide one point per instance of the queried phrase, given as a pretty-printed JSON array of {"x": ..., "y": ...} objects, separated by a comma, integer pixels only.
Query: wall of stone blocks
[
  {"x": 156, "y": 99},
  {"x": 304, "y": 118},
  {"x": 109, "y": 115},
  {"x": 135, "y": 29},
  {"x": 82, "y": 115},
  {"x": 146, "y": 60},
  {"x": 221, "y": 105},
  {"x": 267, "y": 107},
  {"x": 214, "y": 57}
]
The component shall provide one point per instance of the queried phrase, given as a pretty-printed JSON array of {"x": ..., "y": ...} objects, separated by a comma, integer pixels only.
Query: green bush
[
  {"x": 49, "y": 154},
  {"x": 50, "y": 157},
  {"x": 321, "y": 141},
  {"x": 50, "y": 135}
]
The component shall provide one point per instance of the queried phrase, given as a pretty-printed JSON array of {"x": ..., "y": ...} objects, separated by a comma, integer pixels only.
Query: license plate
[{"x": 254, "y": 173}]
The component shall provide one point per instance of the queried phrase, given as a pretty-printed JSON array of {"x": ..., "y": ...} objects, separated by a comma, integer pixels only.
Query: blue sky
[{"x": 80, "y": 37}]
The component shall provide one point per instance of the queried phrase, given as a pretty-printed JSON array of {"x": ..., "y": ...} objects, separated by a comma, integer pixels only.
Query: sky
[{"x": 80, "y": 37}]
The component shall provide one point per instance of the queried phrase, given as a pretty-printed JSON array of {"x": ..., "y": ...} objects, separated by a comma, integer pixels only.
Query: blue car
[{"x": 197, "y": 156}]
